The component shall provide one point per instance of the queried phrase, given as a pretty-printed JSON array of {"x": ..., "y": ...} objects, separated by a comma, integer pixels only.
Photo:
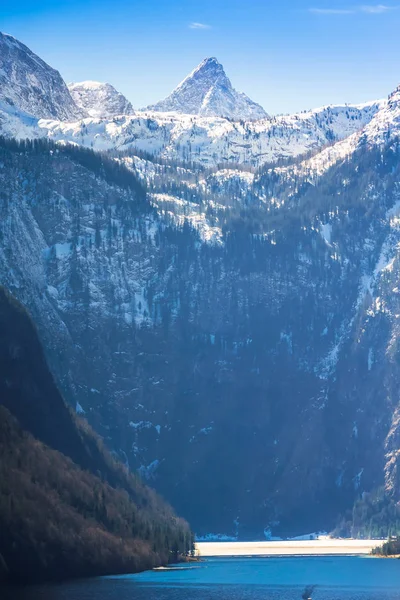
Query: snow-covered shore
[{"x": 287, "y": 548}]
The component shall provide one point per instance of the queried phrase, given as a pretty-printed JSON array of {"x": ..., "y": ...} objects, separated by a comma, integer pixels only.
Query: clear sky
[{"x": 288, "y": 55}]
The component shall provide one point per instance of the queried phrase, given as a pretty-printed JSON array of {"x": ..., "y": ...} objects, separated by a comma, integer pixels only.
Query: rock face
[
  {"x": 100, "y": 100},
  {"x": 28, "y": 84},
  {"x": 208, "y": 92}
]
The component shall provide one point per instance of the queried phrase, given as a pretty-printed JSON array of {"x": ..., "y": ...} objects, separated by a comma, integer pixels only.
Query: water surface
[{"x": 336, "y": 578}]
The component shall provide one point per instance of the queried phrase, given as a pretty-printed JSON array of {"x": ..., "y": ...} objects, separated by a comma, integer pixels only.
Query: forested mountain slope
[
  {"x": 67, "y": 508},
  {"x": 248, "y": 380}
]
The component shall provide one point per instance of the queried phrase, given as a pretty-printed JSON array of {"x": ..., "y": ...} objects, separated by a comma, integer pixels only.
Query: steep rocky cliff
[
  {"x": 30, "y": 85},
  {"x": 250, "y": 379}
]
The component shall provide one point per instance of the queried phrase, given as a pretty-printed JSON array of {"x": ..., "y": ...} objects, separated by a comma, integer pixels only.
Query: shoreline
[{"x": 320, "y": 547}]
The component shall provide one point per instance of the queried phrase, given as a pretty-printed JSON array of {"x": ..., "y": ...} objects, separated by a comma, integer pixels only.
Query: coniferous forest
[{"x": 67, "y": 507}]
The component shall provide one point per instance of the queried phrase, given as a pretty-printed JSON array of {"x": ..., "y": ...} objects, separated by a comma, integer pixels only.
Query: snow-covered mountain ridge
[
  {"x": 383, "y": 127},
  {"x": 208, "y": 140}
]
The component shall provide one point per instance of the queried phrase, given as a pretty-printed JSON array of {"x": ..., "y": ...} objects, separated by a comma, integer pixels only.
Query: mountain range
[
  {"x": 190, "y": 132},
  {"x": 225, "y": 293}
]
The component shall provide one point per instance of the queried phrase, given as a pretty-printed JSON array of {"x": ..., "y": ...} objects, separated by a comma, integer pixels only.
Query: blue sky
[{"x": 288, "y": 55}]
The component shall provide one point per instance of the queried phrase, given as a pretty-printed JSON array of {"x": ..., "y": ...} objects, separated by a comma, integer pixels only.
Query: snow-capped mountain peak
[
  {"x": 208, "y": 92},
  {"x": 30, "y": 85},
  {"x": 100, "y": 100},
  {"x": 209, "y": 67}
]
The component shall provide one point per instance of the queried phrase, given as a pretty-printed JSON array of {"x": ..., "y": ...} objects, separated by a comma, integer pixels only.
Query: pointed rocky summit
[
  {"x": 208, "y": 92},
  {"x": 30, "y": 85}
]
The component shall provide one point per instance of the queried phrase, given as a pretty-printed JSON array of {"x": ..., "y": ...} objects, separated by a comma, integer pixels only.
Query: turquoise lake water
[{"x": 335, "y": 578}]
